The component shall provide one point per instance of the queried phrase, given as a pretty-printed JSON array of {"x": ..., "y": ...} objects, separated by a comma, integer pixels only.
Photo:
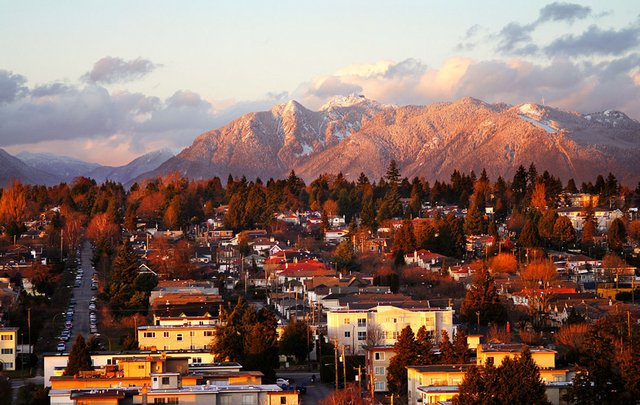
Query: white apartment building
[
  {"x": 350, "y": 327},
  {"x": 8, "y": 348}
]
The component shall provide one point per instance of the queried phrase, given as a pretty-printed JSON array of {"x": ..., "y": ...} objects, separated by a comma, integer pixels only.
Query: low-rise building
[{"x": 8, "y": 348}]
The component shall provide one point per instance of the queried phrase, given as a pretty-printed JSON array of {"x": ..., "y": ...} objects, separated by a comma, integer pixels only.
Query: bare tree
[{"x": 375, "y": 335}]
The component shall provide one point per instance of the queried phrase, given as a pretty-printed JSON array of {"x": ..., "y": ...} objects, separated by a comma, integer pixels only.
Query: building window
[
  {"x": 7, "y": 337},
  {"x": 380, "y": 386},
  {"x": 179, "y": 337},
  {"x": 165, "y": 380},
  {"x": 8, "y": 366},
  {"x": 347, "y": 321},
  {"x": 7, "y": 351},
  {"x": 141, "y": 367},
  {"x": 149, "y": 334},
  {"x": 166, "y": 334},
  {"x": 379, "y": 355},
  {"x": 247, "y": 400},
  {"x": 379, "y": 370},
  {"x": 362, "y": 322},
  {"x": 283, "y": 400},
  {"x": 225, "y": 400},
  {"x": 208, "y": 333},
  {"x": 159, "y": 401},
  {"x": 166, "y": 347},
  {"x": 192, "y": 333},
  {"x": 347, "y": 334},
  {"x": 362, "y": 335},
  {"x": 173, "y": 400},
  {"x": 196, "y": 360}
]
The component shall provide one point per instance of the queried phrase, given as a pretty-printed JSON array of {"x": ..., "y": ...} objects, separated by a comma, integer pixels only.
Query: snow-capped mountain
[
  {"x": 143, "y": 164},
  {"x": 12, "y": 167},
  {"x": 64, "y": 167},
  {"x": 354, "y": 134}
]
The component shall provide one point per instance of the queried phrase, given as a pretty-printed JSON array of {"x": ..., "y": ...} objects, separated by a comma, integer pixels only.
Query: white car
[
  {"x": 282, "y": 382},
  {"x": 61, "y": 346}
]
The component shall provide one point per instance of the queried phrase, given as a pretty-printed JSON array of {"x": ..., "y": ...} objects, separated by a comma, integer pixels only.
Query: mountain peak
[{"x": 350, "y": 101}]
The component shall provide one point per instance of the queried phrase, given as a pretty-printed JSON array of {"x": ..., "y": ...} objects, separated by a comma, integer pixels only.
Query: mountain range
[
  {"x": 354, "y": 134},
  {"x": 49, "y": 169}
]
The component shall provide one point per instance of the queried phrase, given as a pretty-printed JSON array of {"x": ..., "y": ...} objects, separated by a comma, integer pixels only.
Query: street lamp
[{"x": 478, "y": 314}]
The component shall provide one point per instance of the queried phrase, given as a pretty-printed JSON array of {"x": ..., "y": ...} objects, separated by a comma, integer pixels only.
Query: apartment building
[
  {"x": 8, "y": 348},
  {"x": 350, "y": 327}
]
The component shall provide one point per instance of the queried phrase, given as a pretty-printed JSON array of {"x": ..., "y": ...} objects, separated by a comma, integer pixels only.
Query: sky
[{"x": 108, "y": 81}]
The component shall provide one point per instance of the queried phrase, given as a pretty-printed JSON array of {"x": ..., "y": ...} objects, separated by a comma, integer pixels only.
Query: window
[
  {"x": 362, "y": 322},
  {"x": 166, "y": 334},
  {"x": 196, "y": 360},
  {"x": 247, "y": 400},
  {"x": 149, "y": 334},
  {"x": 7, "y": 351},
  {"x": 362, "y": 335},
  {"x": 165, "y": 380},
  {"x": 192, "y": 333},
  {"x": 379, "y": 370},
  {"x": 166, "y": 347},
  {"x": 379, "y": 355},
  {"x": 173, "y": 400},
  {"x": 159, "y": 401},
  {"x": 225, "y": 400},
  {"x": 141, "y": 367},
  {"x": 179, "y": 337},
  {"x": 380, "y": 386},
  {"x": 456, "y": 381},
  {"x": 347, "y": 321},
  {"x": 347, "y": 334},
  {"x": 7, "y": 337},
  {"x": 436, "y": 381},
  {"x": 208, "y": 333},
  {"x": 283, "y": 400}
]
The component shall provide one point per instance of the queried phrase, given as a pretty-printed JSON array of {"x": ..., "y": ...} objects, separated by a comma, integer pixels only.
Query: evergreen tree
[
  {"x": 447, "y": 354},
  {"x": 474, "y": 223},
  {"x": 461, "y": 347},
  {"x": 546, "y": 224},
  {"x": 482, "y": 297},
  {"x": 563, "y": 232},
  {"x": 424, "y": 344},
  {"x": 345, "y": 257},
  {"x": 125, "y": 266},
  {"x": 79, "y": 358},
  {"x": 406, "y": 355},
  {"x": 529, "y": 237},
  {"x": 617, "y": 236},
  {"x": 393, "y": 173},
  {"x": 294, "y": 340}
]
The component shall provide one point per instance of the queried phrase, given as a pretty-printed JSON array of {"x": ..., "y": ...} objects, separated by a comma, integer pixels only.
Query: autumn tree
[
  {"x": 345, "y": 257},
  {"x": 13, "y": 203},
  {"x": 504, "y": 263},
  {"x": 44, "y": 278},
  {"x": 537, "y": 278},
  {"x": 482, "y": 297},
  {"x": 79, "y": 358}
]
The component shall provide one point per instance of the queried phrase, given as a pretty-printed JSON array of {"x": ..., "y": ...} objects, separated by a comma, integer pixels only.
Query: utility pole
[
  {"x": 359, "y": 378},
  {"x": 335, "y": 351},
  {"x": 344, "y": 367}
]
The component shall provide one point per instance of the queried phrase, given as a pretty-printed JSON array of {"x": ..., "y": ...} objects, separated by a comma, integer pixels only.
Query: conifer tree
[
  {"x": 79, "y": 358},
  {"x": 617, "y": 236},
  {"x": 474, "y": 223},
  {"x": 125, "y": 266},
  {"x": 482, "y": 297},
  {"x": 461, "y": 347},
  {"x": 406, "y": 355},
  {"x": 529, "y": 237},
  {"x": 424, "y": 344},
  {"x": 447, "y": 354}
]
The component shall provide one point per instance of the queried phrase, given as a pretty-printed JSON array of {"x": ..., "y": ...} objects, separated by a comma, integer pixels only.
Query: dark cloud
[
  {"x": 408, "y": 67},
  {"x": 472, "y": 31},
  {"x": 563, "y": 12},
  {"x": 11, "y": 86},
  {"x": 51, "y": 89},
  {"x": 595, "y": 41},
  {"x": 515, "y": 38},
  {"x": 116, "y": 70},
  {"x": 333, "y": 86}
]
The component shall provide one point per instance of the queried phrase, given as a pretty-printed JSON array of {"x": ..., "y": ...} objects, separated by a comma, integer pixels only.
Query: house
[
  {"x": 603, "y": 216},
  {"x": 335, "y": 235},
  {"x": 176, "y": 336}
]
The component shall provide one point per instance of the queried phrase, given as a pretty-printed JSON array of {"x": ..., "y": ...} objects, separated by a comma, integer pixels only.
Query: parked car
[
  {"x": 282, "y": 382},
  {"x": 61, "y": 346},
  {"x": 92, "y": 307}
]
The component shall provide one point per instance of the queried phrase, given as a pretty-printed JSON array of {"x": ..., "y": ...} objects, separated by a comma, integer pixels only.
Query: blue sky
[{"x": 108, "y": 81}]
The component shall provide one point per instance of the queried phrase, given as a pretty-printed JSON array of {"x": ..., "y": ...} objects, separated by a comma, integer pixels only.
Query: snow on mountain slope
[
  {"x": 353, "y": 134},
  {"x": 12, "y": 167},
  {"x": 140, "y": 165}
]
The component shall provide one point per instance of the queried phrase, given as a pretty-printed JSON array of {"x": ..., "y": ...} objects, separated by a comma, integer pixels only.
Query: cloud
[
  {"x": 579, "y": 86},
  {"x": 595, "y": 41},
  {"x": 332, "y": 86},
  {"x": 110, "y": 70},
  {"x": 11, "y": 86},
  {"x": 563, "y": 12},
  {"x": 512, "y": 36}
]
